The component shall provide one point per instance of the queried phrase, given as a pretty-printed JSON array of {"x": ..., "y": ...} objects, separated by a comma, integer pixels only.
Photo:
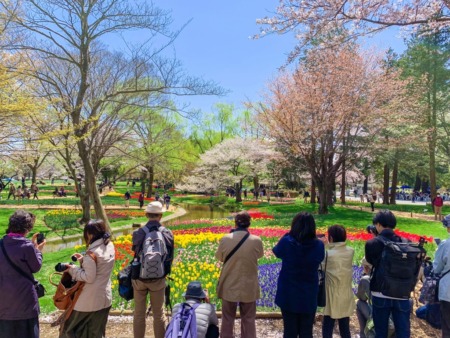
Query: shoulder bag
[
  {"x": 321, "y": 296},
  {"x": 40, "y": 290},
  {"x": 67, "y": 293}
]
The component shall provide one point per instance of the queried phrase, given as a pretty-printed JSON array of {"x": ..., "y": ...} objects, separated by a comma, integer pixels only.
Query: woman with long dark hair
[
  {"x": 92, "y": 307},
  {"x": 298, "y": 284}
]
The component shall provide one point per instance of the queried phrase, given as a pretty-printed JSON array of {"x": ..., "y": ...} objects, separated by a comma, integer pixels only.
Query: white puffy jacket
[{"x": 204, "y": 313}]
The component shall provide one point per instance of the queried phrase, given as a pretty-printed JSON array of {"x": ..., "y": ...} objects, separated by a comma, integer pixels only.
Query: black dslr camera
[
  {"x": 372, "y": 229},
  {"x": 61, "y": 267}
]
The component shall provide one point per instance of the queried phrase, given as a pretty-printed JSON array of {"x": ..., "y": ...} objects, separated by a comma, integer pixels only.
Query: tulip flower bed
[
  {"x": 196, "y": 242},
  {"x": 61, "y": 219}
]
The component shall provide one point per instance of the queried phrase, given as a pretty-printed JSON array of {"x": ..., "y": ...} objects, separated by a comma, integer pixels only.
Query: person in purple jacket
[{"x": 19, "y": 306}]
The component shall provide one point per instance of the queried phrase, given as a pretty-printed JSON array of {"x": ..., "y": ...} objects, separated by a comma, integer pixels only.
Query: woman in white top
[{"x": 88, "y": 320}]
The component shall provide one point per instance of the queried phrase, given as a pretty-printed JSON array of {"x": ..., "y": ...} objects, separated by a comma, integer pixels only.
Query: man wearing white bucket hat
[
  {"x": 149, "y": 239},
  {"x": 441, "y": 266}
]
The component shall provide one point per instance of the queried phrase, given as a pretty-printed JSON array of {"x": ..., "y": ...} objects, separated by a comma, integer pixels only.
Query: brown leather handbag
[{"x": 67, "y": 293}]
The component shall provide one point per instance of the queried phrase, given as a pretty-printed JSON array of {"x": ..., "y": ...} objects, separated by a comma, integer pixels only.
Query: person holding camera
[
  {"x": 205, "y": 313},
  {"x": 19, "y": 306},
  {"x": 301, "y": 253},
  {"x": 238, "y": 282},
  {"x": 91, "y": 310}
]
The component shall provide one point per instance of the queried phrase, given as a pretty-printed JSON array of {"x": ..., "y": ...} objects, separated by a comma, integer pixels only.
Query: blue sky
[{"x": 216, "y": 46}]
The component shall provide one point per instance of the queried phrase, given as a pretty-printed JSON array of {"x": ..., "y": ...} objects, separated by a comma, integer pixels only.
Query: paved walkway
[{"x": 404, "y": 214}]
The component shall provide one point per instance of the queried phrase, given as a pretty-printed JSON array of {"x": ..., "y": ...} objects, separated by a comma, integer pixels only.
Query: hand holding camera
[
  {"x": 61, "y": 267},
  {"x": 38, "y": 240}
]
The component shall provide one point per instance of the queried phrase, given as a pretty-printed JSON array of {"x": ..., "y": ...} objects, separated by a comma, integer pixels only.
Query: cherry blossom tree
[
  {"x": 328, "y": 111},
  {"x": 316, "y": 20},
  {"x": 229, "y": 163}
]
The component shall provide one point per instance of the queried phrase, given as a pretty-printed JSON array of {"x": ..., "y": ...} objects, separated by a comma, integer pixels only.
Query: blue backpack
[{"x": 184, "y": 323}]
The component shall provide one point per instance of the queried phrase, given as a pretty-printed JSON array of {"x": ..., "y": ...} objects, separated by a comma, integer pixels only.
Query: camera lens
[{"x": 61, "y": 267}]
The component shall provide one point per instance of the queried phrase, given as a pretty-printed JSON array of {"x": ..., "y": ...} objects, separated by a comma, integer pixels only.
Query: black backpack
[{"x": 399, "y": 267}]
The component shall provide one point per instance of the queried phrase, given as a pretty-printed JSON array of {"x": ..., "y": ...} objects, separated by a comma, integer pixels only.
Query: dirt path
[{"x": 122, "y": 327}]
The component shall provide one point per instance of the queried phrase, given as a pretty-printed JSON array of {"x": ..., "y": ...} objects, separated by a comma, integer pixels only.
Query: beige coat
[
  {"x": 340, "y": 300},
  {"x": 238, "y": 281},
  {"x": 96, "y": 293}
]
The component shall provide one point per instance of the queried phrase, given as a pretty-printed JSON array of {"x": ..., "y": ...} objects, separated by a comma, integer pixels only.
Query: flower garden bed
[
  {"x": 62, "y": 219},
  {"x": 196, "y": 242}
]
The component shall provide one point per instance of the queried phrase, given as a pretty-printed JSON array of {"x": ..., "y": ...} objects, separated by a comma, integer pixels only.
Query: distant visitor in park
[
  {"x": 35, "y": 190},
  {"x": 238, "y": 282},
  {"x": 438, "y": 202},
  {"x": 127, "y": 197},
  {"x": 340, "y": 300},
  {"x": 19, "y": 306},
  {"x": 12, "y": 190},
  {"x": 301, "y": 254}
]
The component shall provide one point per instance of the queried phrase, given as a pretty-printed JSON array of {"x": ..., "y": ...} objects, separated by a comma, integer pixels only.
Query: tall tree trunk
[
  {"x": 417, "y": 183},
  {"x": 151, "y": 178},
  {"x": 323, "y": 205},
  {"x": 313, "y": 191},
  {"x": 386, "y": 184},
  {"x": 85, "y": 206},
  {"x": 331, "y": 190},
  {"x": 394, "y": 180},
  {"x": 343, "y": 182},
  {"x": 256, "y": 185},
  {"x": 33, "y": 173},
  {"x": 238, "y": 187},
  {"x": 91, "y": 184},
  {"x": 425, "y": 185}
]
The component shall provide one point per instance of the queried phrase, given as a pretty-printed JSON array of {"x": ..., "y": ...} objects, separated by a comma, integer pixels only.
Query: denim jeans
[{"x": 401, "y": 311}]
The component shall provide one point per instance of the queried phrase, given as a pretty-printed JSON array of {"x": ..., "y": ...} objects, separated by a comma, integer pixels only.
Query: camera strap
[{"x": 15, "y": 267}]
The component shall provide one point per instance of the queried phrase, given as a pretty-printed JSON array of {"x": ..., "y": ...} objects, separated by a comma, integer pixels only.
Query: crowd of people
[{"x": 302, "y": 252}]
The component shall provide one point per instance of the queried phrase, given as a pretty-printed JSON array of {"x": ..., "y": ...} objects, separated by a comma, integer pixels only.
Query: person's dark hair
[
  {"x": 97, "y": 229},
  {"x": 20, "y": 222},
  {"x": 303, "y": 227},
  {"x": 242, "y": 219},
  {"x": 338, "y": 233},
  {"x": 386, "y": 219}
]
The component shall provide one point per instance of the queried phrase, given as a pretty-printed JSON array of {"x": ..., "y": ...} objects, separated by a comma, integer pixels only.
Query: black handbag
[
  {"x": 321, "y": 296},
  {"x": 40, "y": 289},
  {"x": 125, "y": 285}
]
